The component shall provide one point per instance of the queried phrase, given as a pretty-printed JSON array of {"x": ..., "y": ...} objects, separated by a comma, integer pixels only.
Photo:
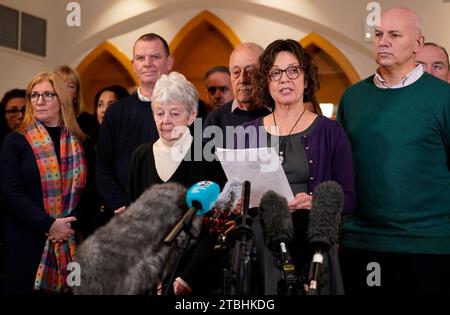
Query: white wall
[
  {"x": 260, "y": 21},
  {"x": 17, "y": 67}
]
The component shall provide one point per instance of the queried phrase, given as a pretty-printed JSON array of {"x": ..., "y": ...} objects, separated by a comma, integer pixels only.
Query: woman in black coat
[
  {"x": 43, "y": 179},
  {"x": 176, "y": 157}
]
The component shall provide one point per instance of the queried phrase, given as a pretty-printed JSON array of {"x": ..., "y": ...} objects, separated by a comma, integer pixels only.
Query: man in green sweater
[{"x": 398, "y": 121}]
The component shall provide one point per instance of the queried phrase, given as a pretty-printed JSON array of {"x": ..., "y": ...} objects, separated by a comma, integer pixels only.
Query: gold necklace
[{"x": 283, "y": 143}]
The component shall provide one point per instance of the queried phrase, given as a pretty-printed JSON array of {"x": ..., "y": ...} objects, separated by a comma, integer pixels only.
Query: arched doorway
[
  {"x": 104, "y": 65},
  {"x": 204, "y": 42},
  {"x": 336, "y": 73}
]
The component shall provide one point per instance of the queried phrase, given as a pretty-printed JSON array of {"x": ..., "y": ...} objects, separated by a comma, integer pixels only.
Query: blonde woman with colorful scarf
[{"x": 43, "y": 174}]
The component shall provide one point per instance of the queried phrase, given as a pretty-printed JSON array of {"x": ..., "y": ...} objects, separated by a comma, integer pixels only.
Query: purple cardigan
[{"x": 328, "y": 148}]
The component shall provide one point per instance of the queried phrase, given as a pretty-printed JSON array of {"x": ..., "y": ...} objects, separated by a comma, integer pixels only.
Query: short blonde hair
[
  {"x": 66, "y": 109},
  {"x": 174, "y": 87}
]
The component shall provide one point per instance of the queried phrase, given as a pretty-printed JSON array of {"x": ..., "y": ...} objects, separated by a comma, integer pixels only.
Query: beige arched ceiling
[
  {"x": 204, "y": 42},
  {"x": 104, "y": 65},
  {"x": 314, "y": 39},
  {"x": 257, "y": 9}
]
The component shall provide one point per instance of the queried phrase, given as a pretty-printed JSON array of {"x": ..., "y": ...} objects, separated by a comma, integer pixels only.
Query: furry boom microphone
[
  {"x": 323, "y": 227},
  {"x": 278, "y": 232},
  {"x": 229, "y": 197},
  {"x": 128, "y": 255}
]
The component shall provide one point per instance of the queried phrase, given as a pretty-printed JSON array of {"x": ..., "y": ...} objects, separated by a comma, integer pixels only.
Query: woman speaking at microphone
[
  {"x": 175, "y": 157},
  {"x": 312, "y": 148}
]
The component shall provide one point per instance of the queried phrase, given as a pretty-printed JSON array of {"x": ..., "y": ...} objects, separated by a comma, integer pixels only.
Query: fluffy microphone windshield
[
  {"x": 276, "y": 220},
  {"x": 230, "y": 195},
  {"x": 325, "y": 214},
  {"x": 127, "y": 255}
]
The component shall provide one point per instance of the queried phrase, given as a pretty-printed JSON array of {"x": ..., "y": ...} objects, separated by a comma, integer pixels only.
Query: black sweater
[
  {"x": 126, "y": 125},
  {"x": 223, "y": 117},
  {"x": 143, "y": 172}
]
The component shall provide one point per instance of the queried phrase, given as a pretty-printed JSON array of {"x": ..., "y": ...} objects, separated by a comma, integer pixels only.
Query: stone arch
[
  {"x": 336, "y": 73},
  {"x": 196, "y": 22},
  {"x": 104, "y": 65},
  {"x": 333, "y": 52},
  {"x": 205, "y": 41}
]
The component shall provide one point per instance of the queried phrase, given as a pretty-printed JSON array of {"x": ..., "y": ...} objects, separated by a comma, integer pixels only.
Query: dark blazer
[{"x": 26, "y": 221}]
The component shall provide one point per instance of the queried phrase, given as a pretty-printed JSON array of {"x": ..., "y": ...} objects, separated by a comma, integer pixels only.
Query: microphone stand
[
  {"x": 242, "y": 256},
  {"x": 185, "y": 223},
  {"x": 316, "y": 268},
  {"x": 289, "y": 282},
  {"x": 244, "y": 260},
  {"x": 168, "y": 288}
]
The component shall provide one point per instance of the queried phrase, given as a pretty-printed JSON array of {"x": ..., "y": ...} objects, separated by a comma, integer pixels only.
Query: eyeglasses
[
  {"x": 47, "y": 96},
  {"x": 213, "y": 89},
  {"x": 15, "y": 111},
  {"x": 292, "y": 73}
]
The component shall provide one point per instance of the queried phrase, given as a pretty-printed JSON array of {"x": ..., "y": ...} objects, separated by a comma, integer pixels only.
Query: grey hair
[
  {"x": 216, "y": 69},
  {"x": 174, "y": 87}
]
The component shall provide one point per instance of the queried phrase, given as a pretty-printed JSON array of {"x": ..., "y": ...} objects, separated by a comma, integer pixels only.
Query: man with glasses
[
  {"x": 218, "y": 86},
  {"x": 243, "y": 108},
  {"x": 12, "y": 107}
]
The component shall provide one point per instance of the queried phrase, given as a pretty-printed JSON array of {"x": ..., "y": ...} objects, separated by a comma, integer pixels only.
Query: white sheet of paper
[{"x": 260, "y": 166}]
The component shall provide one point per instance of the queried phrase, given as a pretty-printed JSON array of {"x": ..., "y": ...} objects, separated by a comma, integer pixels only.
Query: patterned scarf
[{"x": 62, "y": 185}]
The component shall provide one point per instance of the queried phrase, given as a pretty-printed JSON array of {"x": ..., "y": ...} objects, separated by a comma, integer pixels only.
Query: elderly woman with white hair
[{"x": 175, "y": 157}]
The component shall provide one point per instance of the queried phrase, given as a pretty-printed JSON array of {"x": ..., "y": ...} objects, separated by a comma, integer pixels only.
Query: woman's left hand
[
  {"x": 301, "y": 201},
  {"x": 61, "y": 229}
]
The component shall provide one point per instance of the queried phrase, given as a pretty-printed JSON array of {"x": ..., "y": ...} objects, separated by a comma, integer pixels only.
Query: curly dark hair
[{"x": 261, "y": 79}]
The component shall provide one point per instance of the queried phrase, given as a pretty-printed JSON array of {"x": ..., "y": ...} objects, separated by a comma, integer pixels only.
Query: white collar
[
  {"x": 408, "y": 79},
  {"x": 178, "y": 148},
  {"x": 142, "y": 97}
]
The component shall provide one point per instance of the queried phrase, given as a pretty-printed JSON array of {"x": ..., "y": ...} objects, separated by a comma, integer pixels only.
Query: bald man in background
[
  {"x": 243, "y": 108},
  {"x": 435, "y": 61},
  {"x": 397, "y": 241}
]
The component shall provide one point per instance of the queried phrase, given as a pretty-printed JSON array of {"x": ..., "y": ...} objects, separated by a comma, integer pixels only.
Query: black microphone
[
  {"x": 243, "y": 255},
  {"x": 278, "y": 231},
  {"x": 244, "y": 221},
  {"x": 245, "y": 196},
  {"x": 323, "y": 227},
  {"x": 128, "y": 255}
]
